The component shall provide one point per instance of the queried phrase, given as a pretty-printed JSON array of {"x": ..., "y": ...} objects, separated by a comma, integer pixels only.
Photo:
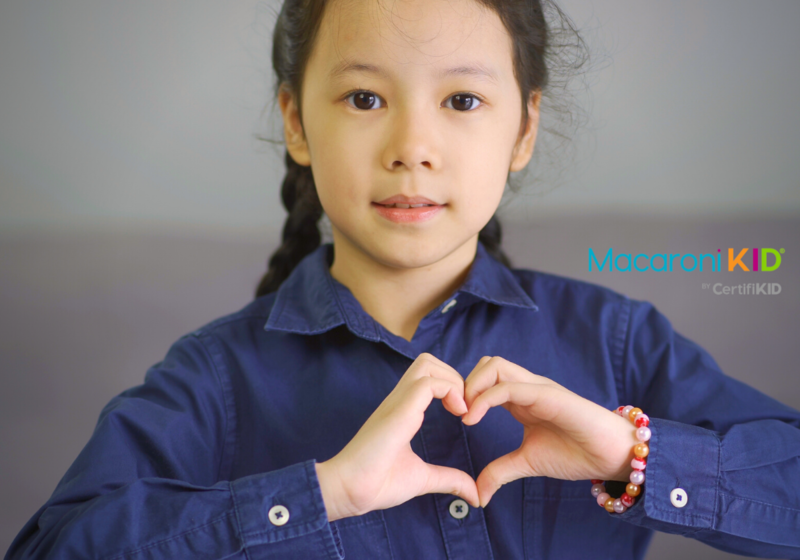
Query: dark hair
[{"x": 538, "y": 48}]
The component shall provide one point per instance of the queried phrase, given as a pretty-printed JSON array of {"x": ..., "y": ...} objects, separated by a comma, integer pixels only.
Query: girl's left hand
[{"x": 566, "y": 436}]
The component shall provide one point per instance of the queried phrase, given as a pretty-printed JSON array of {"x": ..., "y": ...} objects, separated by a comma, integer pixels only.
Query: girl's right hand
[{"x": 378, "y": 469}]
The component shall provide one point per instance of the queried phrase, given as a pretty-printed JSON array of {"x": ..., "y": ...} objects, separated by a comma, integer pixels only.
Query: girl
[{"x": 402, "y": 392}]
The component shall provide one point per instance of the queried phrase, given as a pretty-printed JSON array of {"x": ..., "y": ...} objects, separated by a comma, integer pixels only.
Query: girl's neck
[{"x": 396, "y": 298}]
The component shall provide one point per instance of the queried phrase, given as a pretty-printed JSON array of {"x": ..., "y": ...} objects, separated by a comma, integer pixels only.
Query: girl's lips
[{"x": 408, "y": 215}]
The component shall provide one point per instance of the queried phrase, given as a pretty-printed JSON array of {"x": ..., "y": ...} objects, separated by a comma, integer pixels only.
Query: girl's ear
[
  {"x": 523, "y": 150},
  {"x": 296, "y": 143}
]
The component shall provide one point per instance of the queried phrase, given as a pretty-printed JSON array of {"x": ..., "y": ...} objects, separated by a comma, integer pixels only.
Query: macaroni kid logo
[
  {"x": 662, "y": 262},
  {"x": 763, "y": 259}
]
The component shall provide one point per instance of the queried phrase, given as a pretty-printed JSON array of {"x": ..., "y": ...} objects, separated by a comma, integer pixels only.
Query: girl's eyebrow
[{"x": 476, "y": 69}]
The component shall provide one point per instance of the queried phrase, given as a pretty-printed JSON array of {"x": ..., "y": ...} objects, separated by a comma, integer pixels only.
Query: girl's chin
[{"x": 409, "y": 254}]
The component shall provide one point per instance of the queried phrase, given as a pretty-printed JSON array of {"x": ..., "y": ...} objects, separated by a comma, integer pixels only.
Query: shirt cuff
[
  {"x": 679, "y": 493},
  {"x": 295, "y": 488}
]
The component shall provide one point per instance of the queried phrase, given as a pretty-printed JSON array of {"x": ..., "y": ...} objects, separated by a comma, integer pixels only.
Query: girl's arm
[
  {"x": 732, "y": 449},
  {"x": 730, "y": 453},
  {"x": 147, "y": 484}
]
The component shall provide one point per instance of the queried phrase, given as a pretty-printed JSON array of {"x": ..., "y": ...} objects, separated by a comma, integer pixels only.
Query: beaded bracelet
[{"x": 639, "y": 462}]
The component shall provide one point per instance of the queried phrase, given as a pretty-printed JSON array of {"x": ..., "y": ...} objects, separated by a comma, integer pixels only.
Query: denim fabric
[{"x": 230, "y": 423}]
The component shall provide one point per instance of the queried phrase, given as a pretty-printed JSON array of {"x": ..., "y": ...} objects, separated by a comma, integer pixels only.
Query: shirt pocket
[
  {"x": 364, "y": 536},
  {"x": 561, "y": 519}
]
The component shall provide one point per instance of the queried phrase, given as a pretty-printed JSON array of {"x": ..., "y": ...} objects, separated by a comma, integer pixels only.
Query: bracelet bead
[
  {"x": 641, "y": 450},
  {"x": 626, "y": 410},
  {"x": 627, "y": 500},
  {"x": 643, "y": 434}
]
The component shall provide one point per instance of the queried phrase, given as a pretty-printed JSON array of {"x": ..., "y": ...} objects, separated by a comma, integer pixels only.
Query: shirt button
[
  {"x": 678, "y": 497},
  {"x": 278, "y": 515},
  {"x": 459, "y": 509},
  {"x": 447, "y": 307}
]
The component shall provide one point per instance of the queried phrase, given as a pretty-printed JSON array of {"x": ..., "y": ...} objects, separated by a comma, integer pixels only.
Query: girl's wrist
[
  {"x": 623, "y": 452},
  {"x": 638, "y": 464},
  {"x": 331, "y": 489}
]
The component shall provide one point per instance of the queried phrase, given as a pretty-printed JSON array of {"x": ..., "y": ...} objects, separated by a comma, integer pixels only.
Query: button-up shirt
[{"x": 213, "y": 455}]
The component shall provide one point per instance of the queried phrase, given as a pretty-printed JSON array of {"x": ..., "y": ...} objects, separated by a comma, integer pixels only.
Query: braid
[
  {"x": 300, "y": 232},
  {"x": 491, "y": 235}
]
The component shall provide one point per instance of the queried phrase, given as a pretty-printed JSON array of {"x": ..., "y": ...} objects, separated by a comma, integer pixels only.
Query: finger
[
  {"x": 501, "y": 471},
  {"x": 401, "y": 414},
  {"x": 493, "y": 370},
  {"x": 480, "y": 379},
  {"x": 428, "y": 365},
  {"x": 477, "y": 367},
  {"x": 542, "y": 401},
  {"x": 426, "y": 389},
  {"x": 469, "y": 379},
  {"x": 447, "y": 480}
]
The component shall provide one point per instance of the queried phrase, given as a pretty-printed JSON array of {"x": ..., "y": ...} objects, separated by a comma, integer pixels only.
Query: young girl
[{"x": 402, "y": 392}]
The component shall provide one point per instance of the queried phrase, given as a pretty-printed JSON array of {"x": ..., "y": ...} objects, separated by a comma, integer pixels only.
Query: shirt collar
[{"x": 311, "y": 301}]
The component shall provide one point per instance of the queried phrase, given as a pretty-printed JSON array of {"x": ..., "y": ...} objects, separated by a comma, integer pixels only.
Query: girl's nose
[{"x": 413, "y": 140}]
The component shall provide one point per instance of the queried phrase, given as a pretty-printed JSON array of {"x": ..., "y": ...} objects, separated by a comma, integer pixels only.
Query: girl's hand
[
  {"x": 378, "y": 468},
  {"x": 566, "y": 436}
]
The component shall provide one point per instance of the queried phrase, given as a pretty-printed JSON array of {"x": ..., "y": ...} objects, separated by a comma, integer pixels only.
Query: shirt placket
[
  {"x": 444, "y": 442},
  {"x": 463, "y": 526}
]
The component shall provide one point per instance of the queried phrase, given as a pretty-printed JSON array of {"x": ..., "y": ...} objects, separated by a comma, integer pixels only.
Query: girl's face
[{"x": 415, "y": 98}]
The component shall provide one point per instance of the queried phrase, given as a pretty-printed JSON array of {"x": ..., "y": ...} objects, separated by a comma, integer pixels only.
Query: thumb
[
  {"x": 447, "y": 480},
  {"x": 501, "y": 471}
]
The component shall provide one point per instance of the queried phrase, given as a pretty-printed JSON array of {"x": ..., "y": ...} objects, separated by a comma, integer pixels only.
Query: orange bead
[
  {"x": 632, "y": 490},
  {"x": 641, "y": 450},
  {"x": 632, "y": 414},
  {"x": 609, "y": 505}
]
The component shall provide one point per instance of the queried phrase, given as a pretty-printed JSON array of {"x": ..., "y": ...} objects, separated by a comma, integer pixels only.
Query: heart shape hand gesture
[{"x": 565, "y": 436}]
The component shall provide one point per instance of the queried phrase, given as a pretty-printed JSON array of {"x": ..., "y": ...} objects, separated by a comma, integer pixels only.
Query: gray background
[{"x": 135, "y": 204}]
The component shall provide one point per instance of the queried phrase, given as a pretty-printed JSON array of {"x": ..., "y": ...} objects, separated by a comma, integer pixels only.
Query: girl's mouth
[
  {"x": 407, "y": 213},
  {"x": 398, "y": 205}
]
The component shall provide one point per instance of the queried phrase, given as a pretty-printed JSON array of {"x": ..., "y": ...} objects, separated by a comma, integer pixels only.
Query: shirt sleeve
[
  {"x": 724, "y": 462},
  {"x": 147, "y": 484}
]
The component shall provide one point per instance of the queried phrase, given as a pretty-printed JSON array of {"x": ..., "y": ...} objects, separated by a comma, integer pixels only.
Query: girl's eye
[
  {"x": 363, "y": 100},
  {"x": 462, "y": 102}
]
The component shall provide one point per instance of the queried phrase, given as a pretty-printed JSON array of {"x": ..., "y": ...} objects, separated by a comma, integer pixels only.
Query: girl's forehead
[{"x": 411, "y": 32}]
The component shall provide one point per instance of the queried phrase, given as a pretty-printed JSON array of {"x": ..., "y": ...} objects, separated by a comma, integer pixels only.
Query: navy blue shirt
[{"x": 228, "y": 426}]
